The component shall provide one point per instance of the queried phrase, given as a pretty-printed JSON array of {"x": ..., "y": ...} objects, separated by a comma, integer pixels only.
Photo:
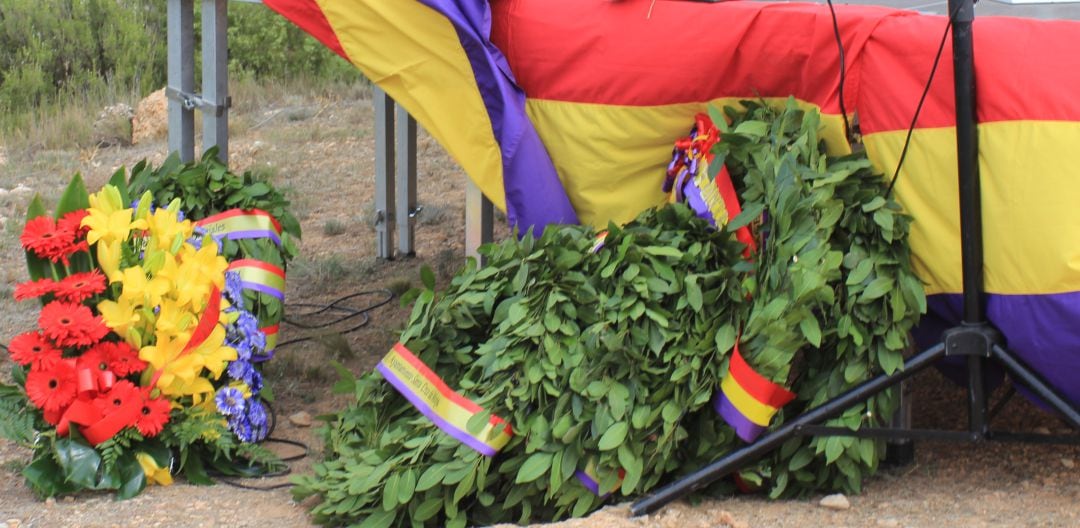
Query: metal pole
[
  {"x": 181, "y": 76},
  {"x": 739, "y": 458},
  {"x": 479, "y": 220},
  {"x": 1038, "y": 385},
  {"x": 405, "y": 180},
  {"x": 384, "y": 170},
  {"x": 215, "y": 76}
]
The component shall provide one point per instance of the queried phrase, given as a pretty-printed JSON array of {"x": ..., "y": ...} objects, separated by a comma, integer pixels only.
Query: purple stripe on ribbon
[
  {"x": 1043, "y": 331},
  {"x": 535, "y": 196},
  {"x": 254, "y": 233},
  {"x": 426, "y": 410},
  {"x": 696, "y": 202},
  {"x": 744, "y": 428},
  {"x": 588, "y": 482},
  {"x": 269, "y": 290}
]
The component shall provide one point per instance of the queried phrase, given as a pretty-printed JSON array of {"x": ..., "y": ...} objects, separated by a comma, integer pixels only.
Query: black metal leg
[
  {"x": 1038, "y": 385},
  {"x": 741, "y": 457}
]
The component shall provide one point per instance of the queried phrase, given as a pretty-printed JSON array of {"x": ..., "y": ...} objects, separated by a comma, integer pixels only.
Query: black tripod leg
[
  {"x": 1038, "y": 385},
  {"x": 741, "y": 457}
]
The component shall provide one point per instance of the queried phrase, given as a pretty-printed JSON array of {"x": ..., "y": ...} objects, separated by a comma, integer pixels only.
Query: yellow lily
[
  {"x": 110, "y": 226},
  {"x": 139, "y": 289},
  {"x": 154, "y": 474},
  {"x": 120, "y": 315},
  {"x": 108, "y": 254}
]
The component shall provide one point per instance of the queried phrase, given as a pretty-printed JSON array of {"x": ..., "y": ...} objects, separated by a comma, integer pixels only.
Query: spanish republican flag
[
  {"x": 609, "y": 85},
  {"x": 434, "y": 57}
]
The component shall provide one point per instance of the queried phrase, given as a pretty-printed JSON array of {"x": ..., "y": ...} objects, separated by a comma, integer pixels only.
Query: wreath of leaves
[{"x": 613, "y": 357}]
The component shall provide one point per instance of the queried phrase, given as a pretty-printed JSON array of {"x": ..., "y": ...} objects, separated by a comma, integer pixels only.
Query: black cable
[
  {"x": 922, "y": 99},
  {"x": 843, "y": 70},
  {"x": 334, "y": 307}
]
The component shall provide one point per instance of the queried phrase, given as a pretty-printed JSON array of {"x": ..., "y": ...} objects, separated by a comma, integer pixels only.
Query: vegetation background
[{"x": 60, "y": 59}]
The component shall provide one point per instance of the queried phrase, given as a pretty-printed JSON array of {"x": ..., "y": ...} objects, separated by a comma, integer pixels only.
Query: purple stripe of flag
[
  {"x": 535, "y": 196},
  {"x": 254, "y": 233},
  {"x": 426, "y": 410},
  {"x": 269, "y": 290},
  {"x": 744, "y": 428}
]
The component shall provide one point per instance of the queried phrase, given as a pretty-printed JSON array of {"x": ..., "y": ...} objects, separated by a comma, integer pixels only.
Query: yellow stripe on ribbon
[
  {"x": 261, "y": 277},
  {"x": 755, "y": 411},
  {"x": 240, "y": 223},
  {"x": 447, "y": 409}
]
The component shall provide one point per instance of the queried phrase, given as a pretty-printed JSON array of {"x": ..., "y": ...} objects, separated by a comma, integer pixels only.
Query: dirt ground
[{"x": 321, "y": 150}]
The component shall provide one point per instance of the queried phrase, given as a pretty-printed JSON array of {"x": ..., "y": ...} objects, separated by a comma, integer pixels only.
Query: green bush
[{"x": 53, "y": 50}]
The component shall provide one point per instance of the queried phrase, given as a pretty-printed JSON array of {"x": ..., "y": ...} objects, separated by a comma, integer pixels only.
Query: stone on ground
[{"x": 836, "y": 501}]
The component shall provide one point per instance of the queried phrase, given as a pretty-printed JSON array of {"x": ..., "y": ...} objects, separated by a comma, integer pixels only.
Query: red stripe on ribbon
[
  {"x": 258, "y": 264},
  {"x": 731, "y": 203},
  {"x": 755, "y": 384}
]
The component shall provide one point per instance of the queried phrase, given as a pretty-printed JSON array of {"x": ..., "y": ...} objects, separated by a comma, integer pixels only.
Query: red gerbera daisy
[
  {"x": 123, "y": 360},
  {"x": 119, "y": 395},
  {"x": 41, "y": 237},
  {"x": 72, "y": 223},
  {"x": 153, "y": 416},
  {"x": 34, "y": 289},
  {"x": 31, "y": 348},
  {"x": 70, "y": 324},
  {"x": 80, "y": 286},
  {"x": 53, "y": 388}
]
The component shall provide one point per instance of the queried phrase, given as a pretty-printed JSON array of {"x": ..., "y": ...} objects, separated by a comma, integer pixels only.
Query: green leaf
[
  {"x": 132, "y": 477},
  {"x": 535, "y": 466},
  {"x": 811, "y": 330},
  {"x": 346, "y": 383},
  {"x": 119, "y": 180},
  {"x": 431, "y": 477},
  {"x": 427, "y": 509},
  {"x": 613, "y": 437},
  {"x": 74, "y": 198},
  {"x": 861, "y": 272},
  {"x": 693, "y": 292},
  {"x": 662, "y": 251},
  {"x": 379, "y": 519},
  {"x": 877, "y": 288},
  {"x": 752, "y": 128},
  {"x": 725, "y": 338},
  {"x": 79, "y": 461},
  {"x": 874, "y": 204},
  {"x": 427, "y": 277}
]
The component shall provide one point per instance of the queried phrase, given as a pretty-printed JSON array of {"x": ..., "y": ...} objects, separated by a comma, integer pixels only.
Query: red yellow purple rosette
[
  {"x": 747, "y": 401},
  {"x": 447, "y": 409}
]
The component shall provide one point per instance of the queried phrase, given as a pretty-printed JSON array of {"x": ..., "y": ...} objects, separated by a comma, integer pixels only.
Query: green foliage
[
  {"x": 611, "y": 358},
  {"x": 52, "y": 50},
  {"x": 16, "y": 416}
]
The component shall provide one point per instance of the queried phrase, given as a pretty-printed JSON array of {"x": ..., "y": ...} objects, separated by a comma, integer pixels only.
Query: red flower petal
[
  {"x": 153, "y": 416},
  {"x": 123, "y": 392},
  {"x": 123, "y": 360},
  {"x": 53, "y": 388},
  {"x": 69, "y": 324},
  {"x": 32, "y": 348},
  {"x": 34, "y": 289},
  {"x": 80, "y": 286}
]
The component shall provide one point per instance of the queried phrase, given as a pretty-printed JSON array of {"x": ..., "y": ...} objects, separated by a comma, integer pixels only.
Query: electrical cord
[
  {"x": 334, "y": 306},
  {"x": 922, "y": 99},
  {"x": 843, "y": 70}
]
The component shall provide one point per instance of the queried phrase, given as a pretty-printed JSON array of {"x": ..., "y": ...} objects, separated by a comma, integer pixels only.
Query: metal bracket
[
  {"x": 969, "y": 339},
  {"x": 193, "y": 101},
  {"x": 415, "y": 212}
]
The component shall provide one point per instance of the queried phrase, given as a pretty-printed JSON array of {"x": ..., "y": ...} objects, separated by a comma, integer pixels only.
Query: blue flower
[
  {"x": 234, "y": 288},
  {"x": 242, "y": 428},
  {"x": 256, "y": 413},
  {"x": 241, "y": 370},
  {"x": 230, "y": 401}
]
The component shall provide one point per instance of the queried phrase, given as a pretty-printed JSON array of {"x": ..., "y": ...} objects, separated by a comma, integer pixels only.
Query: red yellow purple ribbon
[
  {"x": 260, "y": 276},
  {"x": 447, "y": 409},
  {"x": 591, "y": 480},
  {"x": 242, "y": 223},
  {"x": 747, "y": 401}
]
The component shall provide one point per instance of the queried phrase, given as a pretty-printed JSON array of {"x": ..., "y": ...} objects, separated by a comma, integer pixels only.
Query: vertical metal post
[
  {"x": 405, "y": 180},
  {"x": 215, "y": 76},
  {"x": 971, "y": 241},
  {"x": 384, "y": 170},
  {"x": 479, "y": 220},
  {"x": 181, "y": 76}
]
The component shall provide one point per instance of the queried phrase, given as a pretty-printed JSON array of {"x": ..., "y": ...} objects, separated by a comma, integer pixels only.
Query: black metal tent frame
[{"x": 974, "y": 338}]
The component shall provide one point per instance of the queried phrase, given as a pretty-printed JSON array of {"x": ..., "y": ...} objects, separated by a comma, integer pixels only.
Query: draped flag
[
  {"x": 610, "y": 84},
  {"x": 435, "y": 59}
]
